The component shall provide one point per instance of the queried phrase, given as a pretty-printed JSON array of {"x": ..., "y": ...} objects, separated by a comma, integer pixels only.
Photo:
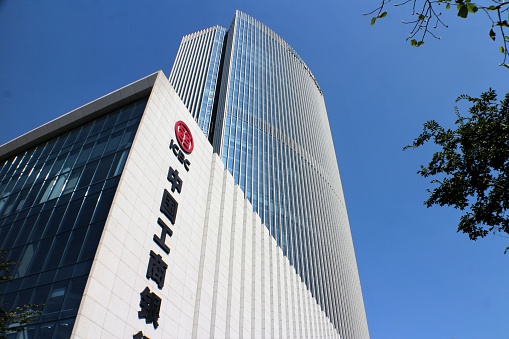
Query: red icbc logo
[{"x": 184, "y": 137}]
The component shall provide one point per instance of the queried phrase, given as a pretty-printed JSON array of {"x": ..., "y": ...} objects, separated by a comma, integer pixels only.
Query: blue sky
[{"x": 420, "y": 278}]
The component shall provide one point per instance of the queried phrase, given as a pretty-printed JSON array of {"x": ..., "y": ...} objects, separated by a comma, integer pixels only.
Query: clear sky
[{"x": 420, "y": 278}]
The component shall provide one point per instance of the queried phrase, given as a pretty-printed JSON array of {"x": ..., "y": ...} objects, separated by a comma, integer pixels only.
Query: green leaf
[
  {"x": 492, "y": 8},
  {"x": 382, "y": 15},
  {"x": 448, "y": 6},
  {"x": 416, "y": 43},
  {"x": 506, "y": 38},
  {"x": 472, "y": 8},
  {"x": 492, "y": 34},
  {"x": 501, "y": 49},
  {"x": 462, "y": 11},
  {"x": 373, "y": 20},
  {"x": 469, "y": 170},
  {"x": 421, "y": 17}
]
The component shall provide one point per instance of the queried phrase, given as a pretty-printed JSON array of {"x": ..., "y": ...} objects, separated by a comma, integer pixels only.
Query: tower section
[
  {"x": 195, "y": 71},
  {"x": 269, "y": 125}
]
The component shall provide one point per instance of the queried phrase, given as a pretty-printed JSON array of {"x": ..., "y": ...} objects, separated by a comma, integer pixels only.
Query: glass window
[
  {"x": 21, "y": 200},
  {"x": 45, "y": 191},
  {"x": 98, "y": 148},
  {"x": 9, "y": 204},
  {"x": 47, "y": 148},
  {"x": 127, "y": 137},
  {"x": 39, "y": 226},
  {"x": 13, "y": 233},
  {"x": 87, "y": 174},
  {"x": 25, "y": 230},
  {"x": 64, "y": 329},
  {"x": 91, "y": 241},
  {"x": 70, "y": 216},
  {"x": 59, "y": 144},
  {"x": 97, "y": 126},
  {"x": 57, "y": 166},
  {"x": 54, "y": 200},
  {"x": 40, "y": 256},
  {"x": 58, "y": 186},
  {"x": 55, "y": 254},
  {"x": 73, "y": 298},
  {"x": 84, "y": 154},
  {"x": 71, "y": 159},
  {"x": 24, "y": 261},
  {"x": 34, "y": 172},
  {"x": 73, "y": 180},
  {"x": 74, "y": 246},
  {"x": 21, "y": 181},
  {"x": 103, "y": 168},
  {"x": 118, "y": 163},
  {"x": 23, "y": 297},
  {"x": 102, "y": 209},
  {"x": 56, "y": 218},
  {"x": 71, "y": 138},
  {"x": 110, "y": 121},
  {"x": 113, "y": 142},
  {"x": 87, "y": 210},
  {"x": 44, "y": 170},
  {"x": 83, "y": 132}
]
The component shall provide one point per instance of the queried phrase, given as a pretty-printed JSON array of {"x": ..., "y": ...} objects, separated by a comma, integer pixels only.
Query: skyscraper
[{"x": 264, "y": 113}]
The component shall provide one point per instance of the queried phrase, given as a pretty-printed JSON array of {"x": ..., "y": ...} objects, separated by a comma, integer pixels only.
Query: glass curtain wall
[
  {"x": 276, "y": 142},
  {"x": 54, "y": 200}
]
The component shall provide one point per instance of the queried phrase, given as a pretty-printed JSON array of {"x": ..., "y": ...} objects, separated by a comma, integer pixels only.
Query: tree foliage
[
  {"x": 14, "y": 319},
  {"x": 472, "y": 166},
  {"x": 426, "y": 17}
]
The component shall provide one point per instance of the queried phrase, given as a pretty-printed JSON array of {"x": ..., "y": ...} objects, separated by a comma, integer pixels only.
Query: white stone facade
[{"x": 226, "y": 277}]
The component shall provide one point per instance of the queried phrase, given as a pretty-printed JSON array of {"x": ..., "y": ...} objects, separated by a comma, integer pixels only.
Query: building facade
[
  {"x": 264, "y": 113},
  {"x": 125, "y": 223}
]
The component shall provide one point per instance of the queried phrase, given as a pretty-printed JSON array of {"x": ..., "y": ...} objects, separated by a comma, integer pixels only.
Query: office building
[
  {"x": 264, "y": 112},
  {"x": 130, "y": 219}
]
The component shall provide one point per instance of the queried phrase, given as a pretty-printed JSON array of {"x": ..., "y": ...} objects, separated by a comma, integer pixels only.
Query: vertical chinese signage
[{"x": 150, "y": 302}]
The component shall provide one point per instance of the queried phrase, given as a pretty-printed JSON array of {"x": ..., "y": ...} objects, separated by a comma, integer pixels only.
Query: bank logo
[{"x": 184, "y": 137}]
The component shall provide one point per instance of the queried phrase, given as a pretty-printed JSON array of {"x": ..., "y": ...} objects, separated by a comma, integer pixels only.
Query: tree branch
[{"x": 429, "y": 13}]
